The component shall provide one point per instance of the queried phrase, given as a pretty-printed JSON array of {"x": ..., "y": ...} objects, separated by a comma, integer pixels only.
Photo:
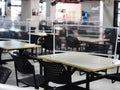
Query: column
[{"x": 29, "y": 12}]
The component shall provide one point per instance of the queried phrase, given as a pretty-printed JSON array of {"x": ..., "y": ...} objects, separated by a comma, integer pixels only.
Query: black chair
[
  {"x": 23, "y": 28},
  {"x": 62, "y": 32},
  {"x": 32, "y": 29},
  {"x": 114, "y": 76},
  {"x": 58, "y": 42},
  {"x": 34, "y": 39},
  {"x": 47, "y": 44},
  {"x": 23, "y": 66},
  {"x": 111, "y": 34},
  {"x": 5, "y": 34},
  {"x": 100, "y": 48},
  {"x": 118, "y": 49},
  {"x": 23, "y": 35},
  {"x": 72, "y": 42},
  {"x": 1, "y": 34},
  {"x": 4, "y": 74},
  {"x": 57, "y": 73},
  {"x": 13, "y": 34},
  {"x": 43, "y": 25}
]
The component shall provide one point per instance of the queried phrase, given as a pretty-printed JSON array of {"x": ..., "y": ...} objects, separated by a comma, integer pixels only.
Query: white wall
[
  {"x": 26, "y": 10},
  {"x": 92, "y": 7},
  {"x": 52, "y": 12},
  {"x": 72, "y": 11},
  {"x": 34, "y": 18},
  {"x": 108, "y": 13},
  {"x": 89, "y": 6},
  {"x": 28, "y": 7}
]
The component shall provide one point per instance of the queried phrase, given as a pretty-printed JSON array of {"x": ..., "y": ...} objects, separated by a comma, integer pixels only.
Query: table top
[
  {"x": 81, "y": 60},
  {"x": 11, "y": 87},
  {"x": 14, "y": 44},
  {"x": 39, "y": 34},
  {"x": 92, "y": 40},
  {"x": 7, "y": 39}
]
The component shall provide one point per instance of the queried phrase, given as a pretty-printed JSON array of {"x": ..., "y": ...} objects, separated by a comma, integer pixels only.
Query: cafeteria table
[
  {"x": 92, "y": 40},
  {"x": 14, "y": 45},
  {"x": 86, "y": 62}
]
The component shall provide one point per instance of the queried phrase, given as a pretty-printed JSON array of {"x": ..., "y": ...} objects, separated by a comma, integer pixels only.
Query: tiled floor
[{"x": 103, "y": 84}]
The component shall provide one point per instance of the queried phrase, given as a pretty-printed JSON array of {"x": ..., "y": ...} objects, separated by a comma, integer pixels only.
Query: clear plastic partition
[
  {"x": 16, "y": 29},
  {"x": 93, "y": 39}
]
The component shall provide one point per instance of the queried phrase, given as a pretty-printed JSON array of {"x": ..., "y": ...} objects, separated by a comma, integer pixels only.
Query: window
[
  {"x": 15, "y": 9},
  {"x": 116, "y": 22},
  {"x": 2, "y": 8}
]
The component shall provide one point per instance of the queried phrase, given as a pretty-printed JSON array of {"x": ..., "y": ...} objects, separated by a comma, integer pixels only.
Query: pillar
[{"x": 29, "y": 12}]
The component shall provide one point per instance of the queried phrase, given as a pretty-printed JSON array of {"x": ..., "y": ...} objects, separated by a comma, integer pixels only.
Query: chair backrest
[
  {"x": 56, "y": 72},
  {"x": 4, "y": 74},
  {"x": 1, "y": 34},
  {"x": 23, "y": 35},
  {"x": 111, "y": 34},
  {"x": 13, "y": 34},
  {"x": 72, "y": 42},
  {"x": 23, "y": 28},
  {"x": 58, "y": 42},
  {"x": 48, "y": 42},
  {"x": 5, "y": 34},
  {"x": 62, "y": 32},
  {"x": 22, "y": 64},
  {"x": 101, "y": 48}
]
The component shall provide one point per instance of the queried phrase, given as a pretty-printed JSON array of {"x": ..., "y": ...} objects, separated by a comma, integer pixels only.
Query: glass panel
[
  {"x": 118, "y": 14},
  {"x": 15, "y": 9},
  {"x": 15, "y": 13},
  {"x": 118, "y": 5},
  {"x": 118, "y": 10},
  {"x": 118, "y": 20},
  {"x": 15, "y": 2},
  {"x": 2, "y": 8}
]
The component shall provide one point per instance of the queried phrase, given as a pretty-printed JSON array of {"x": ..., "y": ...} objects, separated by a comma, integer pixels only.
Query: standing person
[{"x": 84, "y": 15}]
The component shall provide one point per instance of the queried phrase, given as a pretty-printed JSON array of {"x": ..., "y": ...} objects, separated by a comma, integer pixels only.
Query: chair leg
[
  {"x": 81, "y": 73},
  {"x": 36, "y": 88},
  {"x": 117, "y": 69},
  {"x": 17, "y": 83},
  {"x": 113, "y": 81}
]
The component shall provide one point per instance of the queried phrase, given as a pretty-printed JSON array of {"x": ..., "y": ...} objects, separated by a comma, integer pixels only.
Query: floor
[{"x": 103, "y": 84}]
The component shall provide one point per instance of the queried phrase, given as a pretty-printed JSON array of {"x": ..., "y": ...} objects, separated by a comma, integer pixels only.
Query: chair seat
[
  {"x": 40, "y": 80},
  {"x": 115, "y": 76},
  {"x": 69, "y": 87}
]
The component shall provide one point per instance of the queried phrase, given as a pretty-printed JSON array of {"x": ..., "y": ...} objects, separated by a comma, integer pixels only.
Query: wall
[
  {"x": 108, "y": 13},
  {"x": 92, "y": 7},
  {"x": 66, "y": 12},
  {"x": 35, "y": 13},
  {"x": 26, "y": 10},
  {"x": 30, "y": 10},
  {"x": 52, "y": 13}
]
